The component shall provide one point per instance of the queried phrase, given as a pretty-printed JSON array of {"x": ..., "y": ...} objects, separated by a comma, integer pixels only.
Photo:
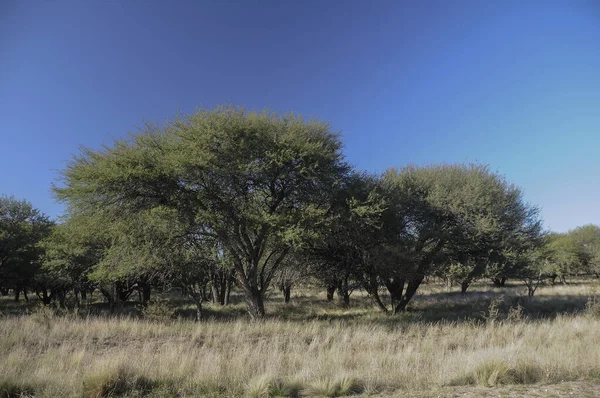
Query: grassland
[{"x": 489, "y": 342}]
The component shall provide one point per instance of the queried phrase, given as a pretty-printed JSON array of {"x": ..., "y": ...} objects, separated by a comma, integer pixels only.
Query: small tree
[
  {"x": 22, "y": 227},
  {"x": 587, "y": 238}
]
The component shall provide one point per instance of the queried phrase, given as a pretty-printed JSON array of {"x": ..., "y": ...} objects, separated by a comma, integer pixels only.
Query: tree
[
  {"x": 21, "y": 228},
  {"x": 345, "y": 245},
  {"x": 256, "y": 183},
  {"x": 71, "y": 251},
  {"x": 566, "y": 256},
  {"x": 448, "y": 214},
  {"x": 587, "y": 238},
  {"x": 291, "y": 272}
]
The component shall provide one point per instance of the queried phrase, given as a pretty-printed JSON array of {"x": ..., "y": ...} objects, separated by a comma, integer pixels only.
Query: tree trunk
[
  {"x": 330, "y": 292},
  {"x": 373, "y": 290},
  {"x": 46, "y": 298},
  {"x": 197, "y": 299},
  {"x": 222, "y": 291},
  {"x": 228, "y": 292},
  {"x": 146, "y": 291},
  {"x": 4, "y": 292},
  {"x": 216, "y": 294},
  {"x": 464, "y": 285},
  {"x": 60, "y": 294},
  {"x": 375, "y": 295},
  {"x": 256, "y": 306},
  {"x": 395, "y": 289},
  {"x": 343, "y": 293},
  {"x": 17, "y": 292},
  {"x": 224, "y": 284},
  {"x": 286, "y": 290},
  {"x": 110, "y": 298},
  {"x": 122, "y": 292},
  {"x": 411, "y": 289}
]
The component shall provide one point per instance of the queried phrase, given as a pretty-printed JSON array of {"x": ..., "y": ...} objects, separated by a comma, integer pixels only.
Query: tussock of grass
[
  {"x": 494, "y": 372},
  {"x": 115, "y": 382},
  {"x": 342, "y": 386},
  {"x": 266, "y": 387},
  {"x": 10, "y": 388}
]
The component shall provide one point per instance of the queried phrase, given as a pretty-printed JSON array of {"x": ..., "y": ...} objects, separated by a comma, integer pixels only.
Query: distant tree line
[{"x": 226, "y": 197}]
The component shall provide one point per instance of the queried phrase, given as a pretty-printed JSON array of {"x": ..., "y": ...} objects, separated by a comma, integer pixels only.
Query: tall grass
[
  {"x": 68, "y": 356},
  {"x": 98, "y": 357}
]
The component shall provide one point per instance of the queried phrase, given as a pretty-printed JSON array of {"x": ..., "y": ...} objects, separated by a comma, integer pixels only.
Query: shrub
[
  {"x": 494, "y": 310},
  {"x": 515, "y": 314}
]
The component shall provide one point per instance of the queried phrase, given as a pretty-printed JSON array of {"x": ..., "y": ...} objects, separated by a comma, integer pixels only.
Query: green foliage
[
  {"x": 256, "y": 184},
  {"x": 587, "y": 238},
  {"x": 22, "y": 227},
  {"x": 444, "y": 215},
  {"x": 566, "y": 256}
]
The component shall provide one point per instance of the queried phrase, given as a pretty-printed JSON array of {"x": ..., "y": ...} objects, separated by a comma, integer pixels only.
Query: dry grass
[{"x": 335, "y": 352}]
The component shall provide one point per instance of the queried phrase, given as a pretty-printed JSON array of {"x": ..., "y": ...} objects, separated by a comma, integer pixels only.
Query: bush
[{"x": 494, "y": 310}]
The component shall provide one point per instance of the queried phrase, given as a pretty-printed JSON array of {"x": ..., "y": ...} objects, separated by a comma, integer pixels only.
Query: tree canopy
[
  {"x": 255, "y": 182},
  {"x": 228, "y": 196}
]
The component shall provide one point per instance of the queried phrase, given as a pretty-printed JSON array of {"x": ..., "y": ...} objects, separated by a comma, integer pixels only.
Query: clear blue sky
[{"x": 500, "y": 82}]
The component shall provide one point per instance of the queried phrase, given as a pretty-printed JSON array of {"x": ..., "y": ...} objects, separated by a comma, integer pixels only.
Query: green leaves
[
  {"x": 253, "y": 183},
  {"x": 22, "y": 227}
]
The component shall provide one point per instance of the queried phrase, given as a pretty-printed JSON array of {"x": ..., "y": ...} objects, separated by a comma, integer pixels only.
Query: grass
[{"x": 314, "y": 348}]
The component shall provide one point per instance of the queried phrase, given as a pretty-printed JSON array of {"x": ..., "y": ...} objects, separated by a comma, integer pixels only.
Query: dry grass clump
[
  {"x": 268, "y": 386},
  {"x": 10, "y": 388},
  {"x": 339, "y": 387},
  {"x": 115, "y": 381}
]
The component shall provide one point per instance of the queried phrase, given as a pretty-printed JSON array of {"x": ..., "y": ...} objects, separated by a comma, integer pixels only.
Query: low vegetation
[{"x": 310, "y": 347}]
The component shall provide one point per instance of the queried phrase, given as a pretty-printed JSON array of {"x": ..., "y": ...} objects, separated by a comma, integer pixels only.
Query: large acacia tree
[
  {"x": 254, "y": 182},
  {"x": 442, "y": 215}
]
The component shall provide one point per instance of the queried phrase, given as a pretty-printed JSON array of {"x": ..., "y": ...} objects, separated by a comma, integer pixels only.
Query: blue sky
[{"x": 500, "y": 82}]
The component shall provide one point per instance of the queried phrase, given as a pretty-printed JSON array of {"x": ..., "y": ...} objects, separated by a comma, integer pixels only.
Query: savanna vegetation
[{"x": 232, "y": 253}]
